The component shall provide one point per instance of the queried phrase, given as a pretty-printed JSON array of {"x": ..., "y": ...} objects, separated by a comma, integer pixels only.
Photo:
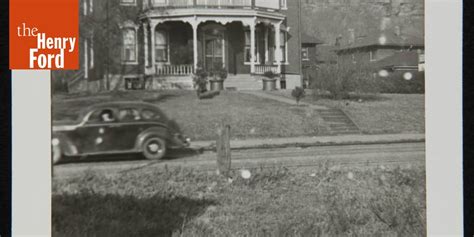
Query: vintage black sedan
[{"x": 114, "y": 128}]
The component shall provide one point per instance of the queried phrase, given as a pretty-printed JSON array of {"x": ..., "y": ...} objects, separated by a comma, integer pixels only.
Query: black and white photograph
[{"x": 242, "y": 118}]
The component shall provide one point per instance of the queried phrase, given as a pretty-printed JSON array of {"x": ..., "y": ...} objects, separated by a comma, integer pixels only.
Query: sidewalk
[
  {"x": 314, "y": 141},
  {"x": 282, "y": 99}
]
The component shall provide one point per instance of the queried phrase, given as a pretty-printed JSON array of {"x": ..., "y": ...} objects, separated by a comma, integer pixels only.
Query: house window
[
  {"x": 128, "y": 2},
  {"x": 161, "y": 46},
  {"x": 284, "y": 52},
  {"x": 353, "y": 58},
  {"x": 373, "y": 55},
  {"x": 305, "y": 53},
  {"x": 247, "y": 54},
  {"x": 129, "y": 52},
  {"x": 283, "y": 4}
]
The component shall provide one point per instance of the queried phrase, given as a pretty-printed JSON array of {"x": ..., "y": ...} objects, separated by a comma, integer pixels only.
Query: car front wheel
[{"x": 154, "y": 148}]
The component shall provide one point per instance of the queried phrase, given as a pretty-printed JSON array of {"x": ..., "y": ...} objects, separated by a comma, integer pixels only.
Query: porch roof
[{"x": 219, "y": 15}]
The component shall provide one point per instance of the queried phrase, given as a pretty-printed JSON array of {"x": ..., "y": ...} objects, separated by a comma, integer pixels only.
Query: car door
[
  {"x": 96, "y": 135},
  {"x": 129, "y": 125}
]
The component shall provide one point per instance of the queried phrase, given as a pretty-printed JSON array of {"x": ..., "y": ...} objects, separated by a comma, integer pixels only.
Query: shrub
[
  {"x": 339, "y": 80},
  {"x": 270, "y": 74},
  {"x": 218, "y": 71},
  {"x": 298, "y": 93},
  {"x": 395, "y": 83},
  {"x": 200, "y": 80}
]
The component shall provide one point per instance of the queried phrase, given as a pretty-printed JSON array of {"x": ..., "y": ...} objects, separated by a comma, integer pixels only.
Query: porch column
[
  {"x": 277, "y": 46},
  {"x": 195, "y": 43},
  {"x": 145, "y": 43},
  {"x": 252, "y": 48},
  {"x": 153, "y": 35},
  {"x": 266, "y": 43}
]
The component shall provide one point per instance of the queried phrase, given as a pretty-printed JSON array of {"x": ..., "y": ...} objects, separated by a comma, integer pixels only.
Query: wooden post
[{"x": 223, "y": 149}]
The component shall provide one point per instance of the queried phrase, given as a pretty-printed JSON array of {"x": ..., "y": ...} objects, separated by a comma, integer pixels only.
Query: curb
[{"x": 212, "y": 144}]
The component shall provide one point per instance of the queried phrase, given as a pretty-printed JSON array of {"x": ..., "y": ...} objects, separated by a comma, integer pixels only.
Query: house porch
[{"x": 250, "y": 46}]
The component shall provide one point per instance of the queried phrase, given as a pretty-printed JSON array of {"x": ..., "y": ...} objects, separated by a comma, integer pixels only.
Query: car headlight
[{"x": 55, "y": 141}]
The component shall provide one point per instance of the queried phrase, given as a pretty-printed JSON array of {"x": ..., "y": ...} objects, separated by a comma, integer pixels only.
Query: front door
[{"x": 214, "y": 51}]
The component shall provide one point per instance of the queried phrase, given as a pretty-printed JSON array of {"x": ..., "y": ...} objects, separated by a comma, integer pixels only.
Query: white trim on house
[
  {"x": 91, "y": 6},
  {"x": 257, "y": 56},
  {"x": 285, "y": 38},
  {"x": 125, "y": 61},
  {"x": 128, "y": 3},
  {"x": 129, "y": 25},
  {"x": 86, "y": 59},
  {"x": 84, "y": 8},
  {"x": 283, "y": 5},
  {"x": 92, "y": 52}
]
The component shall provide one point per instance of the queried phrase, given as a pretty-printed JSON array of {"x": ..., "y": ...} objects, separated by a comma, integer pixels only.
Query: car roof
[{"x": 121, "y": 105}]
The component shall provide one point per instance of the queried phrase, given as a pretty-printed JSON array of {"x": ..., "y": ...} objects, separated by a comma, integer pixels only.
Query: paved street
[{"x": 345, "y": 155}]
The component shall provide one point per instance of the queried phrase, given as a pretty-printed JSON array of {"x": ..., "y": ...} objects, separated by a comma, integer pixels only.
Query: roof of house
[
  {"x": 308, "y": 39},
  {"x": 385, "y": 39},
  {"x": 405, "y": 58},
  {"x": 326, "y": 53}
]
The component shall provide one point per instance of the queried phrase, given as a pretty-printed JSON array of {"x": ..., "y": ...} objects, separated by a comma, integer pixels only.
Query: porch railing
[
  {"x": 261, "y": 69},
  {"x": 174, "y": 70},
  {"x": 224, "y": 3},
  {"x": 198, "y": 3},
  {"x": 171, "y": 3}
]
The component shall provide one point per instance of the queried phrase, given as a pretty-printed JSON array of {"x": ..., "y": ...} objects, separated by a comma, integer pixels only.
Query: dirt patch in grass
[
  {"x": 383, "y": 113},
  {"x": 248, "y": 116},
  {"x": 323, "y": 200}
]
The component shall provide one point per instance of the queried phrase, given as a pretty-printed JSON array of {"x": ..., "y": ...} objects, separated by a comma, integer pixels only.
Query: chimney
[{"x": 351, "y": 36}]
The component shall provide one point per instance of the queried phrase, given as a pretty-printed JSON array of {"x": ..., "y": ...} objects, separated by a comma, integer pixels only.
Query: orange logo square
[{"x": 44, "y": 34}]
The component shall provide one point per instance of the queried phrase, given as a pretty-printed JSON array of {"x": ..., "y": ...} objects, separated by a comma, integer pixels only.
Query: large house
[{"x": 159, "y": 43}]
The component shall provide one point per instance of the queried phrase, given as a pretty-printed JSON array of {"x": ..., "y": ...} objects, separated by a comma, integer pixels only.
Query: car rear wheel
[{"x": 154, "y": 148}]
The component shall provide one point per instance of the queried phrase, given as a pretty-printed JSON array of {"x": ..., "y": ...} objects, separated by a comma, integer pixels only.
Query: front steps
[
  {"x": 243, "y": 82},
  {"x": 338, "y": 121}
]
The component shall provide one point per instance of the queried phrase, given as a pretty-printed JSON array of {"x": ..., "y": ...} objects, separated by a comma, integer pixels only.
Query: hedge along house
[{"x": 160, "y": 43}]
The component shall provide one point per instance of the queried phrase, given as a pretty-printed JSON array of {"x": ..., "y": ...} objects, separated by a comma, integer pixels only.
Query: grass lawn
[
  {"x": 248, "y": 116},
  {"x": 385, "y": 113},
  {"x": 323, "y": 200}
]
